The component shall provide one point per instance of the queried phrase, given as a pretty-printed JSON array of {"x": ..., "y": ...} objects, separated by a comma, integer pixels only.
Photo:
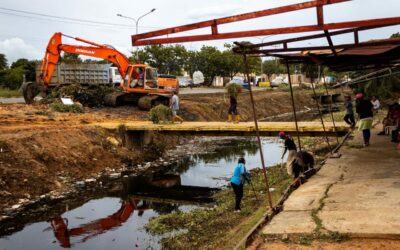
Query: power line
[
  {"x": 66, "y": 18},
  {"x": 53, "y": 20}
]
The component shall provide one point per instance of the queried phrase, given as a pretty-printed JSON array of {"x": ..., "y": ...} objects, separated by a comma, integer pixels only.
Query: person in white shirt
[{"x": 375, "y": 102}]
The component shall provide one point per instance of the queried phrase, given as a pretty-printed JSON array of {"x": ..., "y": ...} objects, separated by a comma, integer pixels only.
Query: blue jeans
[{"x": 366, "y": 135}]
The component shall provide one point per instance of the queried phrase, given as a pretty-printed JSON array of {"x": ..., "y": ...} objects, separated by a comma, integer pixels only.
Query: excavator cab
[{"x": 140, "y": 76}]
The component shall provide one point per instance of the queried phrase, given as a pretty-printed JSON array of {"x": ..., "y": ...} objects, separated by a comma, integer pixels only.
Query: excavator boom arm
[{"x": 55, "y": 47}]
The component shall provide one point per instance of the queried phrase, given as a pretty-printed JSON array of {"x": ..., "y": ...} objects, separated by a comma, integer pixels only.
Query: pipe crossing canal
[{"x": 231, "y": 129}]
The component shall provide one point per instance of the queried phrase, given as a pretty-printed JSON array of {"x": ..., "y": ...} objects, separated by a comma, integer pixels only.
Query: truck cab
[{"x": 115, "y": 76}]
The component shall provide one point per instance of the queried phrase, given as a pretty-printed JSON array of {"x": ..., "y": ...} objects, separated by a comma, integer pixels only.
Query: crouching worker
[
  {"x": 291, "y": 147},
  {"x": 302, "y": 162},
  {"x": 237, "y": 182}
]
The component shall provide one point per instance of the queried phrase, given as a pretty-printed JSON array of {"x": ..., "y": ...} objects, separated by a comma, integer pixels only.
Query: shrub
[
  {"x": 160, "y": 114},
  {"x": 91, "y": 96},
  {"x": 233, "y": 89},
  {"x": 60, "y": 107}
]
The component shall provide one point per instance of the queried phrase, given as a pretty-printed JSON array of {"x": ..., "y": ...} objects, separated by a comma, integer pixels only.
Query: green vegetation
[
  {"x": 6, "y": 92},
  {"x": 233, "y": 89},
  {"x": 59, "y": 107},
  {"x": 160, "y": 114},
  {"x": 214, "y": 228},
  {"x": 209, "y": 60},
  {"x": 92, "y": 96}
]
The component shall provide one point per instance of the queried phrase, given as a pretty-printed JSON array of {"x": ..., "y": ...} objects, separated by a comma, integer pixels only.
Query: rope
[
  {"x": 321, "y": 117},
  {"x": 257, "y": 132},
  {"x": 330, "y": 108},
  {"x": 293, "y": 105}
]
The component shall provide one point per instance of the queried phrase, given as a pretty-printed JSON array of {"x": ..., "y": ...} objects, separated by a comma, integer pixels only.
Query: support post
[
  {"x": 321, "y": 117},
  {"x": 293, "y": 105},
  {"x": 330, "y": 106},
  {"x": 258, "y": 132}
]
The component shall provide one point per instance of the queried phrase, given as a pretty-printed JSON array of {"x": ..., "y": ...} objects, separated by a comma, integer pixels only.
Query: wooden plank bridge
[{"x": 231, "y": 129}]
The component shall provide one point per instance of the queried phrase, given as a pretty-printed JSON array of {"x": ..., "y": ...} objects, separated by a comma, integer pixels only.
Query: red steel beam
[
  {"x": 213, "y": 23},
  {"x": 393, "y": 41},
  {"x": 310, "y": 37},
  {"x": 265, "y": 32}
]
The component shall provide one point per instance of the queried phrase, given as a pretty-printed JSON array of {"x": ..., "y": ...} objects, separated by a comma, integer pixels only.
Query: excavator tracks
[{"x": 149, "y": 101}]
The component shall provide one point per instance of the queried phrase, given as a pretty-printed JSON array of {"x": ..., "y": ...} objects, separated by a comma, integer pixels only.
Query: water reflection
[{"x": 118, "y": 222}]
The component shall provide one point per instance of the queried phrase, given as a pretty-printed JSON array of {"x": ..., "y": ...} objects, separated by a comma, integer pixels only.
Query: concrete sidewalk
[{"x": 357, "y": 194}]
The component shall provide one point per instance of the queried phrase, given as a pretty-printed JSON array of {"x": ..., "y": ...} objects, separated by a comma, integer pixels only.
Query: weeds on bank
[
  {"x": 7, "y": 93},
  {"x": 208, "y": 228},
  {"x": 60, "y": 107},
  {"x": 160, "y": 114}
]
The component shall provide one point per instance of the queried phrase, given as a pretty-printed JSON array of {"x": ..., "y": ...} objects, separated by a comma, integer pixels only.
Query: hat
[
  {"x": 281, "y": 134},
  {"x": 359, "y": 96}
]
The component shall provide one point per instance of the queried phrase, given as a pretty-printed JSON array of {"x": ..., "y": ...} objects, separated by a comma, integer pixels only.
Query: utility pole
[{"x": 137, "y": 26}]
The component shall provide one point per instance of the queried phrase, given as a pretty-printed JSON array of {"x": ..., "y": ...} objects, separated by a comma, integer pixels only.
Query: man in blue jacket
[{"x": 237, "y": 182}]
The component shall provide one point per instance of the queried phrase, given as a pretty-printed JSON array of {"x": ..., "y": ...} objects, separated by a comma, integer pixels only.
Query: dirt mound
[
  {"x": 36, "y": 162},
  {"x": 268, "y": 103}
]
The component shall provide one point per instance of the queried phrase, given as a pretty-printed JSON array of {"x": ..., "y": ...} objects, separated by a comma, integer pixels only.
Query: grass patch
[
  {"x": 60, "y": 107},
  {"x": 7, "y": 93},
  {"x": 160, "y": 114},
  {"x": 214, "y": 228}
]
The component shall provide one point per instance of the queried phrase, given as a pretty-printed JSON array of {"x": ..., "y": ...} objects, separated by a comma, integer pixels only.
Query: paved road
[
  {"x": 182, "y": 91},
  {"x": 12, "y": 100},
  {"x": 360, "y": 192}
]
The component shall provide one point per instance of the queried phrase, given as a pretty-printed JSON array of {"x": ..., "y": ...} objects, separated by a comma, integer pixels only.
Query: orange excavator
[{"x": 140, "y": 82}]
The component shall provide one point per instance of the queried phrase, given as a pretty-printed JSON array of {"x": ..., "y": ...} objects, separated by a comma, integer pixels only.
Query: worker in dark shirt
[
  {"x": 233, "y": 114},
  {"x": 292, "y": 148},
  {"x": 364, "y": 110}
]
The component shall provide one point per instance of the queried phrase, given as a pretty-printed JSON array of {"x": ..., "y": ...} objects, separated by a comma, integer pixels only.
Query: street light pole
[
  {"x": 137, "y": 25},
  {"x": 262, "y": 66}
]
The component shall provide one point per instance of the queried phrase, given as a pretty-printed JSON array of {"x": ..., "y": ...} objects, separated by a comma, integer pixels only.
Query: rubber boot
[
  {"x": 229, "y": 118},
  {"x": 237, "y": 119}
]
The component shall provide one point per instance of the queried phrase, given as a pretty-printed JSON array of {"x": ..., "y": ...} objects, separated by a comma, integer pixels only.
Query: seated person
[
  {"x": 392, "y": 118},
  {"x": 137, "y": 78}
]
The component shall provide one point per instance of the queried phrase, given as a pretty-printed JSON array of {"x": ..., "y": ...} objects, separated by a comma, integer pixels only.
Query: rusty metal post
[
  {"x": 293, "y": 105},
  {"x": 257, "y": 132},
  {"x": 321, "y": 117},
  {"x": 330, "y": 106}
]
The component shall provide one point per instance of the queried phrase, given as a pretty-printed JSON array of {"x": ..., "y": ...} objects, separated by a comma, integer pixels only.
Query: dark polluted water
[{"x": 118, "y": 221}]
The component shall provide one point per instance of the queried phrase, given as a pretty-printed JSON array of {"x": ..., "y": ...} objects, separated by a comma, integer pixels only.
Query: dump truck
[
  {"x": 82, "y": 73},
  {"x": 139, "y": 84}
]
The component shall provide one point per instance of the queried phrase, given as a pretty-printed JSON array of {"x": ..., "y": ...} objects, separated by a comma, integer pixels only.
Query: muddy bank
[{"x": 268, "y": 103}]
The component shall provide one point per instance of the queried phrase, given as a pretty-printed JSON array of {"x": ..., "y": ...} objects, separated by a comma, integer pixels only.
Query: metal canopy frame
[
  {"x": 246, "y": 49},
  {"x": 153, "y": 37}
]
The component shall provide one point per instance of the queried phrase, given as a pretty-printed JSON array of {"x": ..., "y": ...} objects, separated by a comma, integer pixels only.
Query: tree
[
  {"x": 395, "y": 35},
  {"x": 167, "y": 59},
  {"x": 3, "y": 62},
  {"x": 209, "y": 61},
  {"x": 14, "y": 77},
  {"x": 29, "y": 67},
  {"x": 70, "y": 58},
  {"x": 273, "y": 66}
]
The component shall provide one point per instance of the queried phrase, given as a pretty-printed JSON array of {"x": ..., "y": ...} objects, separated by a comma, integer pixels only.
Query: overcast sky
[{"x": 24, "y": 35}]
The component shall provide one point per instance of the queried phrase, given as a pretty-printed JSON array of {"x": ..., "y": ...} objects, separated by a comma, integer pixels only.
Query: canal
[{"x": 118, "y": 221}]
